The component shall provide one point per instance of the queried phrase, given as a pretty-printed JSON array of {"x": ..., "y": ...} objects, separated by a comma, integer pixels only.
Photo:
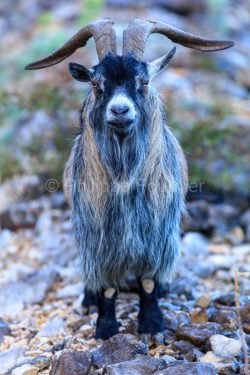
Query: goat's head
[
  {"x": 123, "y": 111},
  {"x": 120, "y": 82}
]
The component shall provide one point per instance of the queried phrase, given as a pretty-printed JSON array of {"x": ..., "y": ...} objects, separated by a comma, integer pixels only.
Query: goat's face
[{"x": 120, "y": 88}]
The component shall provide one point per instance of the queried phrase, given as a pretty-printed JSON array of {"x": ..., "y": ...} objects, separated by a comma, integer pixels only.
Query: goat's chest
[{"x": 128, "y": 219}]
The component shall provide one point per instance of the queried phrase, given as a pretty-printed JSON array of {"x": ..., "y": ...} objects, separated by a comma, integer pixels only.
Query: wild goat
[{"x": 126, "y": 177}]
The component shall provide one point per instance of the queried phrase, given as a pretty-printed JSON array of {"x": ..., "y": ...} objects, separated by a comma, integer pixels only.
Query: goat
[{"x": 126, "y": 177}]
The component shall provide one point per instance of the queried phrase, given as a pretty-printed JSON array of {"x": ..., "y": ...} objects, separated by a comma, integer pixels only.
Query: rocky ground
[{"x": 43, "y": 329}]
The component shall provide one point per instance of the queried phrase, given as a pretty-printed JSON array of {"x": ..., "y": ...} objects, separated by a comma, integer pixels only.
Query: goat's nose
[{"x": 119, "y": 109}]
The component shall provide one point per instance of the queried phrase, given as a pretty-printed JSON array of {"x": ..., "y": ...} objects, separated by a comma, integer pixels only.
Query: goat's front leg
[
  {"x": 150, "y": 316},
  {"x": 106, "y": 325}
]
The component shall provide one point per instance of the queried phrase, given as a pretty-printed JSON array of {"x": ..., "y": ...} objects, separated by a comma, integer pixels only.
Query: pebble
[
  {"x": 25, "y": 370},
  {"x": 225, "y": 317},
  {"x": 222, "y": 345},
  {"x": 8, "y": 359},
  {"x": 203, "y": 301},
  {"x": 41, "y": 362},
  {"x": 71, "y": 362},
  {"x": 197, "y": 334},
  {"x": 170, "y": 320},
  {"x": 183, "y": 286},
  {"x": 198, "y": 316},
  {"x": 75, "y": 321},
  {"x": 224, "y": 365},
  {"x": 73, "y": 290},
  {"x": 141, "y": 365},
  {"x": 182, "y": 346},
  {"x": 119, "y": 348},
  {"x": 86, "y": 329},
  {"x": 53, "y": 327},
  {"x": 189, "y": 369},
  {"x": 193, "y": 355},
  {"x": 168, "y": 358},
  {"x": 245, "y": 313}
]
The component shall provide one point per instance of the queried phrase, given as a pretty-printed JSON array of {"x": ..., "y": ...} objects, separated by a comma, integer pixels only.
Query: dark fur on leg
[
  {"x": 106, "y": 325},
  {"x": 89, "y": 302},
  {"x": 150, "y": 316}
]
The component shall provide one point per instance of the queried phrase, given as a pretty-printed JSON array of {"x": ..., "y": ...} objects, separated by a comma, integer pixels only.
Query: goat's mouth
[{"x": 121, "y": 126}]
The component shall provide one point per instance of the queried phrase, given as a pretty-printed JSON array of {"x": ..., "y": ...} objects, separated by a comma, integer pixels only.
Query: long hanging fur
[{"x": 126, "y": 220}]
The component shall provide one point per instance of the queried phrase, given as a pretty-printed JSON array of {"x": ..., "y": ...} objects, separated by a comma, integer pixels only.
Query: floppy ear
[
  {"x": 80, "y": 72},
  {"x": 160, "y": 64}
]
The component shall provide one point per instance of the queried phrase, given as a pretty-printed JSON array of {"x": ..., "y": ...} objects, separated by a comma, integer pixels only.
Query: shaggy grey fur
[{"x": 127, "y": 195}]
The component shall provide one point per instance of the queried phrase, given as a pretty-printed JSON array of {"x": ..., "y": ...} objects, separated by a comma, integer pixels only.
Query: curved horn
[
  {"x": 138, "y": 31},
  {"x": 105, "y": 39}
]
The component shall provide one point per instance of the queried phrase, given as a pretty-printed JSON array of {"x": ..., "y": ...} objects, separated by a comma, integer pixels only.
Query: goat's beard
[{"x": 123, "y": 156}]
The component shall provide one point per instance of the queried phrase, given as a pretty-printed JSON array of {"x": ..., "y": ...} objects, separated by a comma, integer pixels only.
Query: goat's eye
[
  {"x": 95, "y": 85},
  {"x": 145, "y": 83}
]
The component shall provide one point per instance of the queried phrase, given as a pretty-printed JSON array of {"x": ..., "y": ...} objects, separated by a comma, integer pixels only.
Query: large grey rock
[
  {"x": 71, "y": 362},
  {"x": 141, "y": 365},
  {"x": 197, "y": 218},
  {"x": 206, "y": 217},
  {"x": 189, "y": 369},
  {"x": 29, "y": 290},
  {"x": 119, "y": 348},
  {"x": 8, "y": 359},
  {"x": 21, "y": 215},
  {"x": 19, "y": 189},
  {"x": 197, "y": 334},
  {"x": 222, "y": 345}
]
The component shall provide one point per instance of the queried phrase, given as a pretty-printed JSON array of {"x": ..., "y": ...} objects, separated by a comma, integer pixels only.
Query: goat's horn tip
[{"x": 28, "y": 67}]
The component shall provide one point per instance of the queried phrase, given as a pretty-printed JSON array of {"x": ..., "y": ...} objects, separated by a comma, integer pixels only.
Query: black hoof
[{"x": 106, "y": 328}]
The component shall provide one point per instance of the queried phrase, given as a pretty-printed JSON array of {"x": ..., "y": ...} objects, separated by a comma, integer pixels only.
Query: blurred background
[
  {"x": 207, "y": 99},
  {"x": 206, "y": 94}
]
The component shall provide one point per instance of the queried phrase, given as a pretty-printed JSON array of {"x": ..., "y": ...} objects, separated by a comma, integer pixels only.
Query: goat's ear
[
  {"x": 160, "y": 64},
  {"x": 80, "y": 72}
]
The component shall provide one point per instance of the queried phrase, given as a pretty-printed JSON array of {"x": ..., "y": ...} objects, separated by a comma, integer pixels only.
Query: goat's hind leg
[
  {"x": 89, "y": 302},
  {"x": 150, "y": 316},
  {"x": 106, "y": 325}
]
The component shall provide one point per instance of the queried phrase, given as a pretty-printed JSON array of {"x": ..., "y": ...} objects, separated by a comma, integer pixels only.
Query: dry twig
[{"x": 242, "y": 334}]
